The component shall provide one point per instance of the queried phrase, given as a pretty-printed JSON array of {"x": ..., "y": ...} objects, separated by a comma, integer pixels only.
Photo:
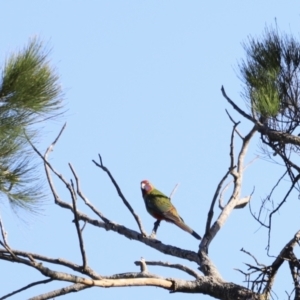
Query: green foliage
[
  {"x": 29, "y": 93},
  {"x": 265, "y": 96},
  {"x": 271, "y": 76}
]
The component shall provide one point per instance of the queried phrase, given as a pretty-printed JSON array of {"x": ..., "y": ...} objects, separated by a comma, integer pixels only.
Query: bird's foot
[{"x": 152, "y": 235}]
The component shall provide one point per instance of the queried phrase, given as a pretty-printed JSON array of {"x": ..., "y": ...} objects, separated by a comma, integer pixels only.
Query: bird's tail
[{"x": 186, "y": 228}]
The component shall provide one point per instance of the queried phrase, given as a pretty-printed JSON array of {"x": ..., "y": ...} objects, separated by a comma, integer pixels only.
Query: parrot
[{"x": 160, "y": 207}]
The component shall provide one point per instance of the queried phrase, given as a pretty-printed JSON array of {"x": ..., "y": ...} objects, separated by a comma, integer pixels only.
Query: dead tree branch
[
  {"x": 79, "y": 233},
  {"x": 174, "y": 266},
  {"x": 63, "y": 291},
  {"x": 235, "y": 197},
  {"x": 278, "y": 207},
  {"x": 283, "y": 255},
  {"x": 84, "y": 198},
  {"x": 127, "y": 204},
  {"x": 25, "y": 288},
  {"x": 211, "y": 210}
]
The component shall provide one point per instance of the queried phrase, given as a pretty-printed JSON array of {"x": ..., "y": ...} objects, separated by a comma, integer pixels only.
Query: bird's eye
[{"x": 143, "y": 185}]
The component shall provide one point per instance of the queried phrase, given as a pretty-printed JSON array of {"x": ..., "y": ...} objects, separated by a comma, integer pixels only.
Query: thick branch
[
  {"x": 294, "y": 268},
  {"x": 153, "y": 243},
  {"x": 283, "y": 255},
  {"x": 235, "y": 197},
  {"x": 63, "y": 291}
]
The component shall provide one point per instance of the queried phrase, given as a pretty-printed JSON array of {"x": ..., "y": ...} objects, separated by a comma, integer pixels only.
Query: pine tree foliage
[
  {"x": 29, "y": 93},
  {"x": 271, "y": 73}
]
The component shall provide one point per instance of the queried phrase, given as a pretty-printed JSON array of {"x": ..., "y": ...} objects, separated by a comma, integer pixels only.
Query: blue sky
[{"x": 142, "y": 86}]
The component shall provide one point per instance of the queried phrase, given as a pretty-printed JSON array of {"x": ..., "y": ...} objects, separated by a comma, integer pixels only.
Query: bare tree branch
[
  {"x": 136, "y": 217},
  {"x": 174, "y": 266},
  {"x": 25, "y": 288},
  {"x": 294, "y": 268},
  {"x": 3, "y": 233},
  {"x": 190, "y": 255},
  {"x": 235, "y": 197},
  {"x": 283, "y": 255},
  {"x": 240, "y": 111},
  {"x": 232, "y": 145},
  {"x": 58, "y": 261},
  {"x": 143, "y": 265},
  {"x": 278, "y": 207},
  {"x": 254, "y": 258},
  {"x": 274, "y": 135},
  {"x": 267, "y": 198},
  {"x": 211, "y": 210},
  {"x": 174, "y": 190},
  {"x": 4, "y": 237},
  {"x": 237, "y": 123},
  {"x": 63, "y": 291},
  {"x": 84, "y": 198},
  {"x": 243, "y": 202},
  {"x": 79, "y": 233},
  {"x": 49, "y": 167}
]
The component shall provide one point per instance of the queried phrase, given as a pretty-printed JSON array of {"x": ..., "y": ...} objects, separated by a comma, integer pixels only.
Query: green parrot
[{"x": 160, "y": 207}]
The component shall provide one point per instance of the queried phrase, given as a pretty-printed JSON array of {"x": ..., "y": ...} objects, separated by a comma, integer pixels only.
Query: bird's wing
[
  {"x": 161, "y": 204},
  {"x": 158, "y": 202},
  {"x": 172, "y": 216}
]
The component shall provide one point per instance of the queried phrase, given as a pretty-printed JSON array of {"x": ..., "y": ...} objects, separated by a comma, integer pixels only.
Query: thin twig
[
  {"x": 57, "y": 261},
  {"x": 25, "y": 288},
  {"x": 49, "y": 167},
  {"x": 231, "y": 154},
  {"x": 127, "y": 204},
  {"x": 240, "y": 111},
  {"x": 4, "y": 237},
  {"x": 69, "y": 187},
  {"x": 84, "y": 198},
  {"x": 235, "y": 196},
  {"x": 254, "y": 258},
  {"x": 221, "y": 206},
  {"x": 231, "y": 119},
  {"x": 79, "y": 233},
  {"x": 174, "y": 266},
  {"x": 211, "y": 209},
  {"x": 174, "y": 190},
  {"x": 267, "y": 198},
  {"x": 277, "y": 208}
]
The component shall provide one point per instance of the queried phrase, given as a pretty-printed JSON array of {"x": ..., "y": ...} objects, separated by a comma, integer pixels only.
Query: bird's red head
[{"x": 146, "y": 187}]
